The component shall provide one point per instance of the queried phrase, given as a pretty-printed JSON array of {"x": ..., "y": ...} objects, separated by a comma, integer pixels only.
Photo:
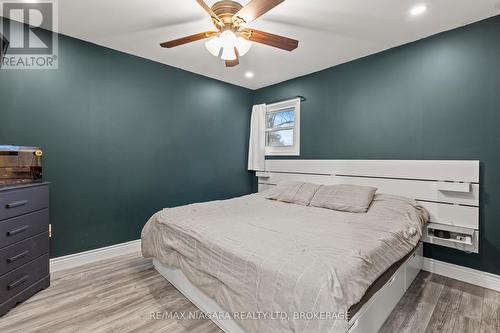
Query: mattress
[{"x": 278, "y": 267}]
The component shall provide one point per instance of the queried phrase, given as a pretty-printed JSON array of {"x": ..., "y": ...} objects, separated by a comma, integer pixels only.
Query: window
[{"x": 283, "y": 128}]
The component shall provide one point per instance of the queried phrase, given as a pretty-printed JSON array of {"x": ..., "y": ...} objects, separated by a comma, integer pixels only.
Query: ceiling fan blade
[
  {"x": 273, "y": 40},
  {"x": 215, "y": 19},
  {"x": 232, "y": 63},
  {"x": 188, "y": 39},
  {"x": 253, "y": 10},
  {"x": 235, "y": 62}
]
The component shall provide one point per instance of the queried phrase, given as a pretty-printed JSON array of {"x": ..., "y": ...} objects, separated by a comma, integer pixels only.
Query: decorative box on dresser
[{"x": 24, "y": 242}]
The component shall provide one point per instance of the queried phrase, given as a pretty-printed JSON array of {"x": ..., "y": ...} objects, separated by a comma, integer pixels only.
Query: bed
[{"x": 279, "y": 267}]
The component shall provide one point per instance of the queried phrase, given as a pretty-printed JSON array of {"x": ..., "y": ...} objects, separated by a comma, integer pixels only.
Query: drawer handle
[
  {"x": 16, "y": 204},
  {"x": 17, "y": 231},
  {"x": 18, "y": 282},
  {"x": 19, "y": 256}
]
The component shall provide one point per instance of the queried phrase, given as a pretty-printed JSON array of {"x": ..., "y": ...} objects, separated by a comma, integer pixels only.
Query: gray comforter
[{"x": 301, "y": 268}]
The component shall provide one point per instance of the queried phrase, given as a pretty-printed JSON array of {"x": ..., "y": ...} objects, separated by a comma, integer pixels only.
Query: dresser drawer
[
  {"x": 23, "y": 277},
  {"x": 18, "y": 254},
  {"x": 24, "y": 295},
  {"x": 24, "y": 200},
  {"x": 18, "y": 228}
]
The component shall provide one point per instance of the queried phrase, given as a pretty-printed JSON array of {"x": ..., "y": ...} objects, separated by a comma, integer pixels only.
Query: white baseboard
[
  {"x": 88, "y": 257},
  {"x": 465, "y": 274}
]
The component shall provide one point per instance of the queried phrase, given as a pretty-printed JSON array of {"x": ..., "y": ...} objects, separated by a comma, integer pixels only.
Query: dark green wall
[
  {"x": 438, "y": 98},
  {"x": 123, "y": 138}
]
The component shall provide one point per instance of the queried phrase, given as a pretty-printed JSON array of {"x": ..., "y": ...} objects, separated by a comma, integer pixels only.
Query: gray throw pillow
[
  {"x": 299, "y": 194},
  {"x": 344, "y": 197},
  {"x": 274, "y": 192},
  {"x": 292, "y": 192}
]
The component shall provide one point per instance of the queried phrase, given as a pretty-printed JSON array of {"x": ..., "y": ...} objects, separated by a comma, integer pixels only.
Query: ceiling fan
[{"x": 231, "y": 37}]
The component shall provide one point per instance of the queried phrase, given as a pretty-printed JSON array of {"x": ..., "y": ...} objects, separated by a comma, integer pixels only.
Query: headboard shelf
[{"x": 455, "y": 171}]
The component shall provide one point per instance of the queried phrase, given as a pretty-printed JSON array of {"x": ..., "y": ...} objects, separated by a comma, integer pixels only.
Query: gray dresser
[{"x": 24, "y": 242}]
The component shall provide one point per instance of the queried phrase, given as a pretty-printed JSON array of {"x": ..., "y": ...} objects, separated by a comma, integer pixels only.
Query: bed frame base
[
  {"x": 369, "y": 318},
  {"x": 177, "y": 278}
]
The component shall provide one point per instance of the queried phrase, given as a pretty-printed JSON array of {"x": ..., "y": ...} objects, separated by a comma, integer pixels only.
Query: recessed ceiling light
[
  {"x": 418, "y": 10},
  {"x": 249, "y": 75}
]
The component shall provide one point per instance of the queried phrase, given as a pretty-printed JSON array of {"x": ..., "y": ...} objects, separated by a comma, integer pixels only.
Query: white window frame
[{"x": 293, "y": 150}]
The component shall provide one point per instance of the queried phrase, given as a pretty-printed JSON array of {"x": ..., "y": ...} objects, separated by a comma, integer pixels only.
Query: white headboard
[{"x": 449, "y": 190}]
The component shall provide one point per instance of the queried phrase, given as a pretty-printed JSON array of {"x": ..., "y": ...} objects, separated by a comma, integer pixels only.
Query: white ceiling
[{"x": 330, "y": 31}]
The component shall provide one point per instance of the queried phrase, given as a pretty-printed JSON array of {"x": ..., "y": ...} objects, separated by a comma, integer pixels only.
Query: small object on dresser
[{"x": 20, "y": 165}]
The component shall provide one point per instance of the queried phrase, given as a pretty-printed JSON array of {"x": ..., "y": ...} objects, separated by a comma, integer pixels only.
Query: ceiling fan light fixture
[
  {"x": 228, "y": 54},
  {"x": 243, "y": 46},
  {"x": 228, "y": 39},
  {"x": 214, "y": 46}
]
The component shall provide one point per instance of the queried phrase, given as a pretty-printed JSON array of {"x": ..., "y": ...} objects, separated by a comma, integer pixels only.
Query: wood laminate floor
[{"x": 126, "y": 294}]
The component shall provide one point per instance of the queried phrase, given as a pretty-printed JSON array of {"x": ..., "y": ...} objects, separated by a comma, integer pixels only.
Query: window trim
[{"x": 293, "y": 150}]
